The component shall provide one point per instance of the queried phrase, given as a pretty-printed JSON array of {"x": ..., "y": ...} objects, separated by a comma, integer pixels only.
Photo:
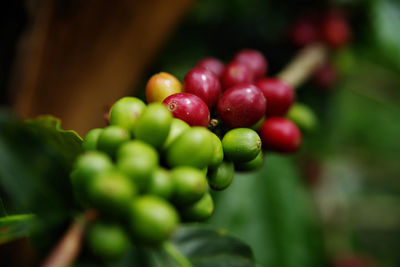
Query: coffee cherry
[
  {"x": 111, "y": 193},
  {"x": 107, "y": 241},
  {"x": 86, "y": 168},
  {"x": 189, "y": 108},
  {"x": 335, "y": 30},
  {"x": 212, "y": 64},
  {"x": 236, "y": 73},
  {"x": 161, "y": 184},
  {"x": 255, "y": 60},
  {"x": 302, "y": 116},
  {"x": 251, "y": 165},
  {"x": 203, "y": 83},
  {"x": 178, "y": 126},
  {"x": 91, "y": 138},
  {"x": 153, "y": 125},
  {"x": 152, "y": 219},
  {"x": 111, "y": 138},
  {"x": 190, "y": 185},
  {"x": 241, "y": 144},
  {"x": 304, "y": 31},
  {"x": 241, "y": 106},
  {"x": 200, "y": 210},
  {"x": 160, "y": 86},
  {"x": 221, "y": 177},
  {"x": 279, "y": 95},
  {"x": 138, "y": 161},
  {"x": 125, "y": 112},
  {"x": 218, "y": 153},
  {"x": 280, "y": 134},
  {"x": 325, "y": 76},
  {"x": 192, "y": 148}
]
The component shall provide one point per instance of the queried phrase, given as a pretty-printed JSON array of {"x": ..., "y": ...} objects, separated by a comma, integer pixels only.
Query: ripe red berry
[
  {"x": 189, "y": 108},
  {"x": 212, "y": 64},
  {"x": 279, "y": 95},
  {"x": 203, "y": 83},
  {"x": 241, "y": 106},
  {"x": 325, "y": 76},
  {"x": 280, "y": 135},
  {"x": 236, "y": 73},
  {"x": 335, "y": 30},
  {"x": 255, "y": 60},
  {"x": 304, "y": 31}
]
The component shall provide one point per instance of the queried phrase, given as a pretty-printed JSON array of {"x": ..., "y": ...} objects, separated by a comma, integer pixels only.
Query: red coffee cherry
[
  {"x": 255, "y": 60},
  {"x": 212, "y": 64},
  {"x": 241, "y": 106},
  {"x": 236, "y": 73},
  {"x": 280, "y": 135},
  {"x": 335, "y": 30},
  {"x": 189, "y": 108},
  {"x": 203, "y": 83},
  {"x": 279, "y": 95}
]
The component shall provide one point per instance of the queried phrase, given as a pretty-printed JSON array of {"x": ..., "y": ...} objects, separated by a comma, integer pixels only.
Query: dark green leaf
[{"x": 14, "y": 227}]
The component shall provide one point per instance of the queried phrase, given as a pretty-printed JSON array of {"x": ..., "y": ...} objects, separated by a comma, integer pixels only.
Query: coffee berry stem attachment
[
  {"x": 69, "y": 247},
  {"x": 304, "y": 64}
]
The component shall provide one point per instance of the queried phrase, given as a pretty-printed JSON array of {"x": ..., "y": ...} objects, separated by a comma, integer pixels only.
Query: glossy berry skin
[
  {"x": 203, "y": 83},
  {"x": 241, "y": 106},
  {"x": 189, "y": 108},
  {"x": 280, "y": 135},
  {"x": 279, "y": 95},
  {"x": 236, "y": 73},
  {"x": 335, "y": 30},
  {"x": 160, "y": 86},
  {"x": 255, "y": 60},
  {"x": 212, "y": 64}
]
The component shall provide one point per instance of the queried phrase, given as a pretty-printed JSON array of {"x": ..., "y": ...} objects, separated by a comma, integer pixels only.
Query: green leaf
[
  {"x": 385, "y": 19},
  {"x": 14, "y": 227},
  {"x": 272, "y": 212}
]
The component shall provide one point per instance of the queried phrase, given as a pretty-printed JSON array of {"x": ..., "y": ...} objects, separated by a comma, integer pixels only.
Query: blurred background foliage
[{"x": 340, "y": 195}]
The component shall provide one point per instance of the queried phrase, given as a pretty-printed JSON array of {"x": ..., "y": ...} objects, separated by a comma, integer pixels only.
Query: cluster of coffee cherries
[{"x": 154, "y": 165}]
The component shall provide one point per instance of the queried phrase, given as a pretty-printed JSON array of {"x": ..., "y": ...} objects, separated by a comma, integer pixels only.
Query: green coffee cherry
[
  {"x": 302, "y": 116},
  {"x": 218, "y": 154},
  {"x": 241, "y": 144},
  {"x": 153, "y": 125},
  {"x": 111, "y": 192},
  {"x": 161, "y": 184},
  {"x": 111, "y": 138},
  {"x": 200, "y": 210},
  {"x": 91, "y": 138},
  {"x": 107, "y": 241},
  {"x": 251, "y": 165},
  {"x": 177, "y": 128},
  {"x": 152, "y": 219},
  {"x": 138, "y": 161},
  {"x": 192, "y": 148},
  {"x": 190, "y": 185},
  {"x": 87, "y": 167},
  {"x": 126, "y": 111},
  {"x": 222, "y": 176}
]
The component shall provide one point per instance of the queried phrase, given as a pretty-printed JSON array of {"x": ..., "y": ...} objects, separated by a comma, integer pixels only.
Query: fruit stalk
[
  {"x": 304, "y": 64},
  {"x": 66, "y": 251}
]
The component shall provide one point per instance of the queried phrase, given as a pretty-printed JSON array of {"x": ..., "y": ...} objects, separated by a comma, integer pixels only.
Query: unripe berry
[{"x": 160, "y": 86}]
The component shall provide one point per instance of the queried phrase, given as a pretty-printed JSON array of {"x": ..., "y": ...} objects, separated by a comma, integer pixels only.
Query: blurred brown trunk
[{"x": 80, "y": 55}]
